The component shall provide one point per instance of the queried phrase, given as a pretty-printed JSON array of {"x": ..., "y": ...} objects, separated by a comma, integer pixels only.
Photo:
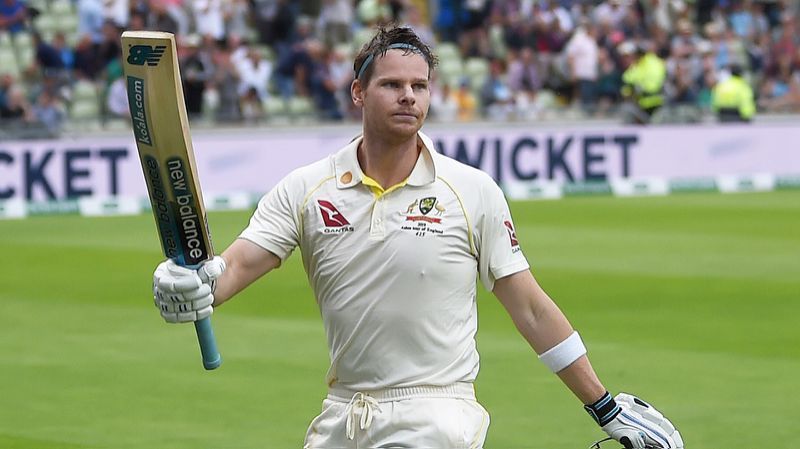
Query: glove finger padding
[
  {"x": 173, "y": 278},
  {"x": 212, "y": 269},
  {"x": 640, "y": 425}
]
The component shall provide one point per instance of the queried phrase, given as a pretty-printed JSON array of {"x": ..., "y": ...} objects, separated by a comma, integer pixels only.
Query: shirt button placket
[{"x": 377, "y": 226}]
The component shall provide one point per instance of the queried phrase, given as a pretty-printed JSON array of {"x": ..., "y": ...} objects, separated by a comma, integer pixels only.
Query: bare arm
[
  {"x": 543, "y": 325},
  {"x": 246, "y": 262}
]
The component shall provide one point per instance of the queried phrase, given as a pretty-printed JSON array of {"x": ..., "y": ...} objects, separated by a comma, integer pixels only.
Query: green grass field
[{"x": 691, "y": 301}]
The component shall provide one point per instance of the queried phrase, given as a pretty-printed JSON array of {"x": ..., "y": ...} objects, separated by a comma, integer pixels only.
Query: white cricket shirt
[{"x": 394, "y": 274}]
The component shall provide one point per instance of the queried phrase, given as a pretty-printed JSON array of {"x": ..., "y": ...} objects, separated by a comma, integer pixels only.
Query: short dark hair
[{"x": 387, "y": 38}]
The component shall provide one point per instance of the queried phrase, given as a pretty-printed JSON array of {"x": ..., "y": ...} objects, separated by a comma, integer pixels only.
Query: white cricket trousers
[{"x": 423, "y": 417}]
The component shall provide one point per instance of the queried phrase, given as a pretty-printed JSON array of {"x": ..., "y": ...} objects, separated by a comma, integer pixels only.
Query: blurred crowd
[{"x": 250, "y": 61}]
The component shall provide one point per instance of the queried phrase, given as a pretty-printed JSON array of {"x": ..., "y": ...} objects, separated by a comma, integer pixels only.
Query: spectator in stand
[
  {"x": 208, "y": 19},
  {"x": 473, "y": 39},
  {"x": 275, "y": 22},
  {"x": 90, "y": 19},
  {"x": 413, "y": 20},
  {"x": 87, "y": 61},
  {"x": 293, "y": 65},
  {"x": 786, "y": 41},
  {"x": 137, "y": 21},
  {"x": 159, "y": 18},
  {"x": 196, "y": 70},
  {"x": 117, "y": 98},
  {"x": 341, "y": 72},
  {"x": 496, "y": 34},
  {"x": 334, "y": 21},
  {"x": 321, "y": 83},
  {"x": 497, "y": 96},
  {"x": 612, "y": 12},
  {"x": 682, "y": 89},
  {"x": 523, "y": 71},
  {"x": 13, "y": 15},
  {"x": 254, "y": 73},
  {"x": 444, "y": 106},
  {"x": 49, "y": 112},
  {"x": 48, "y": 60},
  {"x": 237, "y": 16},
  {"x": 581, "y": 52},
  {"x": 15, "y": 109},
  {"x": 634, "y": 27},
  {"x": 448, "y": 20},
  {"x": 685, "y": 40},
  {"x": 609, "y": 82},
  {"x": 6, "y": 83},
  {"x": 109, "y": 48},
  {"x": 65, "y": 52},
  {"x": 251, "y": 106},
  {"x": 225, "y": 82},
  {"x": 466, "y": 103},
  {"x": 117, "y": 11},
  {"x": 781, "y": 91},
  {"x": 554, "y": 12}
]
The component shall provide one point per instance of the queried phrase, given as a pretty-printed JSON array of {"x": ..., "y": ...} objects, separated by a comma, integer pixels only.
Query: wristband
[
  {"x": 603, "y": 410},
  {"x": 563, "y": 354}
]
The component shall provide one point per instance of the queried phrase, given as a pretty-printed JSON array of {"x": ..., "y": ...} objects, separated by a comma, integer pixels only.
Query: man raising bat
[{"x": 394, "y": 237}]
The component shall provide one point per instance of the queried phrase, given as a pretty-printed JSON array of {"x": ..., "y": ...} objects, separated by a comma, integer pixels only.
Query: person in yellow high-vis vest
[
  {"x": 732, "y": 98},
  {"x": 643, "y": 83}
]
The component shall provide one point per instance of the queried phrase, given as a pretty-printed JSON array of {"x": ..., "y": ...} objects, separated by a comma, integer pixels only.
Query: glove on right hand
[
  {"x": 640, "y": 425},
  {"x": 185, "y": 295}
]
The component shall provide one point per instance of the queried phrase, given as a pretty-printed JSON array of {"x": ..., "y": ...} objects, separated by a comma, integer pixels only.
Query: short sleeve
[
  {"x": 499, "y": 252},
  {"x": 274, "y": 225}
]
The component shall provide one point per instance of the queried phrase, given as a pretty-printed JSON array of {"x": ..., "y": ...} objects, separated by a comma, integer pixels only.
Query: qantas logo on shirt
[
  {"x": 333, "y": 219},
  {"x": 512, "y": 235}
]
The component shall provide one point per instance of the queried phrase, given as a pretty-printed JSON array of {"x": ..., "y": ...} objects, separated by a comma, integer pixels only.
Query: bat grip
[{"x": 208, "y": 344}]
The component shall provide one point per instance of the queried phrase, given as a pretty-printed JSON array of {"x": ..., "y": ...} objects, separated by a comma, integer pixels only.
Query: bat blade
[{"x": 161, "y": 130}]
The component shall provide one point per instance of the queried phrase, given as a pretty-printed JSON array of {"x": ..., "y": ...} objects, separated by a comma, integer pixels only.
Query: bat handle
[{"x": 208, "y": 344}]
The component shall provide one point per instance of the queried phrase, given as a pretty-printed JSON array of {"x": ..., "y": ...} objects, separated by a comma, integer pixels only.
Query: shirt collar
[{"x": 348, "y": 172}]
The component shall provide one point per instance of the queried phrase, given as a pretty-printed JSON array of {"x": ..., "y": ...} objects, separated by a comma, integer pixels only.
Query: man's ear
[{"x": 357, "y": 93}]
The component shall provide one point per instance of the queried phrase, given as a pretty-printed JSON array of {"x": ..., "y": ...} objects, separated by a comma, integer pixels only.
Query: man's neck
[{"x": 388, "y": 163}]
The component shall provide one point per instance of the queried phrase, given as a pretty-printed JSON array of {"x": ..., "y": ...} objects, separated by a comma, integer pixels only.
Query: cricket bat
[{"x": 161, "y": 130}]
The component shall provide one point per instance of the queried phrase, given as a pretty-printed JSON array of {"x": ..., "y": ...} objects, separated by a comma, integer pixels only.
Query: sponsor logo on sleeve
[{"x": 512, "y": 235}]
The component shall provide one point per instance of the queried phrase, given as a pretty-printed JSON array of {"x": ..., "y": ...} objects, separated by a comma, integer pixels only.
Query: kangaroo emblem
[{"x": 412, "y": 206}]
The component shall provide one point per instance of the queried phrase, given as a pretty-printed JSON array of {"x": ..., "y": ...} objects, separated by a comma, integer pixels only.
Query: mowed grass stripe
[{"x": 715, "y": 348}]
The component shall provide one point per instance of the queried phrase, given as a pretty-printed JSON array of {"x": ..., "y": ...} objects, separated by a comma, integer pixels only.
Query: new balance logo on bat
[{"x": 145, "y": 54}]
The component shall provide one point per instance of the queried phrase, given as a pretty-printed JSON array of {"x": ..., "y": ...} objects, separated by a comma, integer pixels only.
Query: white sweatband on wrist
[{"x": 563, "y": 354}]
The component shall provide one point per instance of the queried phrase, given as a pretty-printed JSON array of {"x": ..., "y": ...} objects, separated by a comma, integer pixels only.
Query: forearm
[
  {"x": 549, "y": 328},
  {"x": 535, "y": 315},
  {"x": 246, "y": 262},
  {"x": 581, "y": 379},
  {"x": 544, "y": 326}
]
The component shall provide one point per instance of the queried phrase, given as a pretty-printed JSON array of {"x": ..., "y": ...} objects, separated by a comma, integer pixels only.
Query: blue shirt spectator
[{"x": 12, "y": 16}]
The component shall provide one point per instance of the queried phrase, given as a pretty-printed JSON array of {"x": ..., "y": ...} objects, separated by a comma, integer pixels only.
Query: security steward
[
  {"x": 643, "y": 81},
  {"x": 732, "y": 98}
]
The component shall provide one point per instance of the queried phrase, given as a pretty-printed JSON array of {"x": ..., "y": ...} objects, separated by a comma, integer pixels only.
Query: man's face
[{"x": 396, "y": 100}]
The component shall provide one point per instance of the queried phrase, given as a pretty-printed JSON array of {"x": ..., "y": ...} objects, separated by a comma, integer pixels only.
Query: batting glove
[
  {"x": 634, "y": 423},
  {"x": 184, "y": 295}
]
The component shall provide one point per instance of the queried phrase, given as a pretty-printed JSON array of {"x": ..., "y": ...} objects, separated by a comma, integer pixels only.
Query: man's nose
[{"x": 407, "y": 95}]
